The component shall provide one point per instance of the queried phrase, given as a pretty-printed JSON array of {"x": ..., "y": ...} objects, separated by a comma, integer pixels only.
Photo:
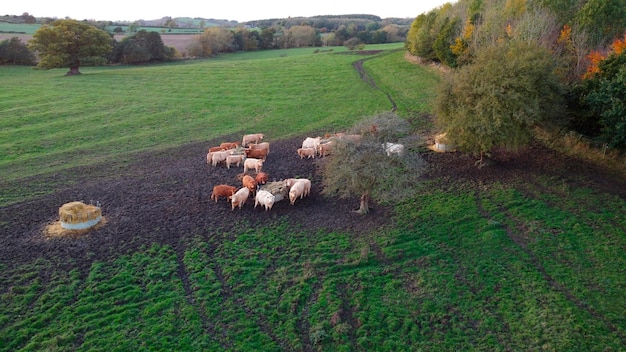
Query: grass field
[
  {"x": 110, "y": 112},
  {"x": 526, "y": 265}
]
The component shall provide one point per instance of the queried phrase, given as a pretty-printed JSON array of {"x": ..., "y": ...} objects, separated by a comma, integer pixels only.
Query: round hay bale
[
  {"x": 76, "y": 218},
  {"x": 79, "y": 216},
  {"x": 278, "y": 189}
]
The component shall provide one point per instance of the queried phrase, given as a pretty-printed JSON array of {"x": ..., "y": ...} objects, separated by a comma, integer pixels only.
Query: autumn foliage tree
[
  {"x": 363, "y": 169},
  {"x": 65, "y": 43},
  {"x": 603, "y": 92}
]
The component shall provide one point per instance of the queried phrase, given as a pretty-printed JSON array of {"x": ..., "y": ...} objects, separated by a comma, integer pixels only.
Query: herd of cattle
[{"x": 252, "y": 153}]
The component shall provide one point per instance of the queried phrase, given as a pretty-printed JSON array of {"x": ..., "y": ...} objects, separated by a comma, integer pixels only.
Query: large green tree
[
  {"x": 64, "y": 43},
  {"x": 497, "y": 100}
]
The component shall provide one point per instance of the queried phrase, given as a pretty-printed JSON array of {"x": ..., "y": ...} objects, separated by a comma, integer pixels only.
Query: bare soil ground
[{"x": 165, "y": 198}]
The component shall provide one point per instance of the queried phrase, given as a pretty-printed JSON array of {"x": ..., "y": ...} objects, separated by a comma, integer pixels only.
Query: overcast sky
[{"x": 233, "y": 10}]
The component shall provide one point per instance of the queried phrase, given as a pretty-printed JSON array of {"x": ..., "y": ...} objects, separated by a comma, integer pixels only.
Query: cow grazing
[
  {"x": 265, "y": 198},
  {"x": 296, "y": 191},
  {"x": 239, "y": 198},
  {"x": 252, "y": 163},
  {"x": 251, "y": 138},
  {"x": 229, "y": 145},
  {"x": 326, "y": 148},
  {"x": 222, "y": 191},
  {"x": 310, "y": 142},
  {"x": 216, "y": 149},
  {"x": 306, "y": 152},
  {"x": 234, "y": 160},
  {"x": 307, "y": 184},
  {"x": 256, "y": 153},
  {"x": 249, "y": 182},
  {"x": 264, "y": 146},
  {"x": 219, "y": 157},
  {"x": 393, "y": 148},
  {"x": 261, "y": 178},
  {"x": 290, "y": 182}
]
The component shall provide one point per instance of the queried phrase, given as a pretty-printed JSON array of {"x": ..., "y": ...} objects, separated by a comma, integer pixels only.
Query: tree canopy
[
  {"x": 497, "y": 100},
  {"x": 13, "y": 51},
  {"x": 65, "y": 43},
  {"x": 362, "y": 168}
]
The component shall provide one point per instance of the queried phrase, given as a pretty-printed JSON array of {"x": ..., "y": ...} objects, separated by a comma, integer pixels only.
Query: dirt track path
[{"x": 358, "y": 66}]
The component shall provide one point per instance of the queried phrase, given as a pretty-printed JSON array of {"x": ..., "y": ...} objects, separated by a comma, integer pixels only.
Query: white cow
[
  {"x": 393, "y": 148},
  {"x": 265, "y": 198},
  {"x": 296, "y": 191},
  {"x": 307, "y": 184},
  {"x": 310, "y": 142},
  {"x": 239, "y": 198}
]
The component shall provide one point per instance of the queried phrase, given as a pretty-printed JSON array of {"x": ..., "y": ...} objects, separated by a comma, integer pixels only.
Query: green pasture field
[
  {"x": 525, "y": 265},
  {"x": 447, "y": 277},
  {"x": 20, "y": 28}
]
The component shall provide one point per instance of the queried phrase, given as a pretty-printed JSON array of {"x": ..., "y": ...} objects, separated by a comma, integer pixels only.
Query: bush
[{"x": 497, "y": 100}]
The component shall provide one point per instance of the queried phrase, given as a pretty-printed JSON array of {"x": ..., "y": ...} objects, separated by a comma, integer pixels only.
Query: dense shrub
[{"x": 496, "y": 101}]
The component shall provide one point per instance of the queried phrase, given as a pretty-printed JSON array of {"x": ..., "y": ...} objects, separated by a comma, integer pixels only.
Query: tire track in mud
[
  {"x": 228, "y": 294},
  {"x": 522, "y": 243},
  {"x": 183, "y": 274}
]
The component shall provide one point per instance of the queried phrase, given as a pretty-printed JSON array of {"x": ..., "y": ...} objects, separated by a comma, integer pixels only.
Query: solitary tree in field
[
  {"x": 64, "y": 43},
  {"x": 497, "y": 100},
  {"x": 365, "y": 170}
]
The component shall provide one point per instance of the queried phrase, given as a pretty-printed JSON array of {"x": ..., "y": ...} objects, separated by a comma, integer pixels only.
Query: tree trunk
[
  {"x": 365, "y": 204},
  {"x": 73, "y": 71}
]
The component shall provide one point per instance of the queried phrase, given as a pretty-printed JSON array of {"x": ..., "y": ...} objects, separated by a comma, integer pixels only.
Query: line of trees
[{"x": 512, "y": 62}]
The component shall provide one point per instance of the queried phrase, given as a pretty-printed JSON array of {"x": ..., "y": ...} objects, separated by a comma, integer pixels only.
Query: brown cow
[
  {"x": 261, "y": 178},
  {"x": 229, "y": 145},
  {"x": 256, "y": 153},
  {"x": 264, "y": 145},
  {"x": 216, "y": 149},
  {"x": 249, "y": 183},
  {"x": 222, "y": 191}
]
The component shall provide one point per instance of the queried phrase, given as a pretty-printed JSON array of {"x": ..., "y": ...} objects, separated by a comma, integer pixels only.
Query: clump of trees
[
  {"x": 512, "y": 62},
  {"x": 142, "y": 47},
  {"x": 14, "y": 52},
  {"x": 363, "y": 169}
]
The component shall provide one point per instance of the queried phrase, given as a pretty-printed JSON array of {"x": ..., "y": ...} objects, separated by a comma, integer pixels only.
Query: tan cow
[
  {"x": 251, "y": 138},
  {"x": 252, "y": 163}
]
